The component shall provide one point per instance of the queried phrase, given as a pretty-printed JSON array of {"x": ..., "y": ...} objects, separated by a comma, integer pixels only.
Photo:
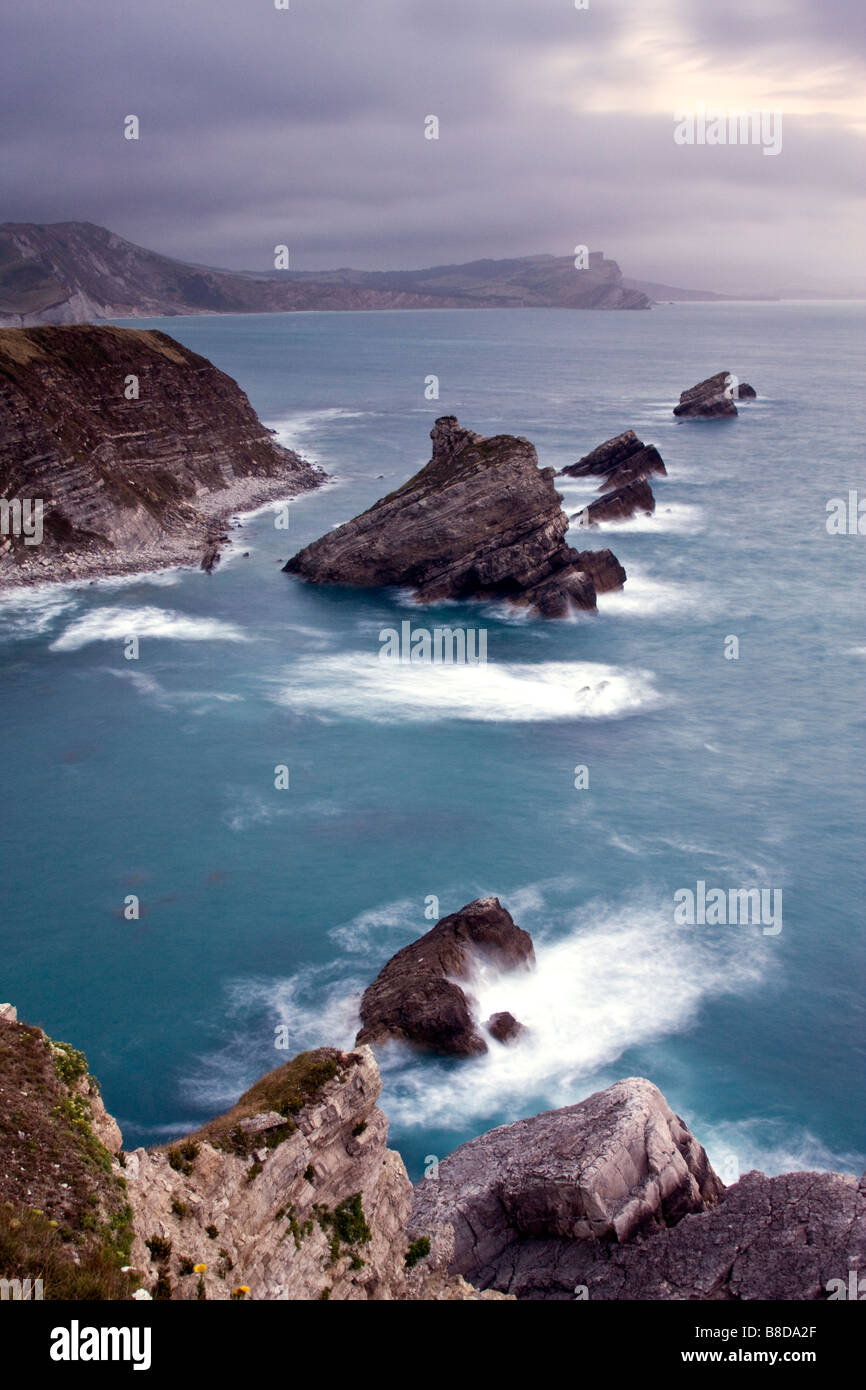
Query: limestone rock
[
  {"x": 481, "y": 520},
  {"x": 415, "y": 997},
  {"x": 615, "y": 1165}
]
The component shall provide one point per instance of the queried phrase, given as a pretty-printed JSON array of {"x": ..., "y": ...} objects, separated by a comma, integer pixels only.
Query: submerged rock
[
  {"x": 714, "y": 398},
  {"x": 481, "y": 520},
  {"x": 415, "y": 997}
]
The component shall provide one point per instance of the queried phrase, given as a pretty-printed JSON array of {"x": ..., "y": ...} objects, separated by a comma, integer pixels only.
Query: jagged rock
[
  {"x": 618, "y": 505},
  {"x": 615, "y": 1165},
  {"x": 623, "y": 459},
  {"x": 713, "y": 398},
  {"x": 415, "y": 997},
  {"x": 780, "y": 1238},
  {"x": 127, "y": 484},
  {"x": 8, "y": 1013},
  {"x": 328, "y": 1209},
  {"x": 481, "y": 520},
  {"x": 504, "y": 1027}
]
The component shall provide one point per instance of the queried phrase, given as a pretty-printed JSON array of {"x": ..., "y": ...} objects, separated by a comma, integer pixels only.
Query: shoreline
[{"x": 187, "y": 549}]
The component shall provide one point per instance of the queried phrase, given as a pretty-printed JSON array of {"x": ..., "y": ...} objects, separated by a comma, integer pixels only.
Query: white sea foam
[
  {"x": 679, "y": 517},
  {"x": 116, "y": 624},
  {"x": 642, "y": 597},
  {"x": 608, "y": 977},
  {"x": 619, "y": 978},
  {"x": 293, "y": 431},
  {"x": 363, "y": 687},
  {"x": 29, "y": 612},
  {"x": 772, "y": 1146}
]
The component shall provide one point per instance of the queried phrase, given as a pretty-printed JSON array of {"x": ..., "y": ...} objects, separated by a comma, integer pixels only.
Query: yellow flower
[{"x": 199, "y": 1269}]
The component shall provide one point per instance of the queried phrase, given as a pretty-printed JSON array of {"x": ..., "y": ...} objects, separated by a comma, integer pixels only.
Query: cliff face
[
  {"x": 137, "y": 447},
  {"x": 293, "y": 1194},
  {"x": 481, "y": 520},
  {"x": 75, "y": 272}
]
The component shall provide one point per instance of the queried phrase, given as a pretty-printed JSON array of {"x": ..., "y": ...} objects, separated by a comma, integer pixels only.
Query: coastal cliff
[
  {"x": 77, "y": 272},
  {"x": 294, "y": 1195},
  {"x": 137, "y": 449}
]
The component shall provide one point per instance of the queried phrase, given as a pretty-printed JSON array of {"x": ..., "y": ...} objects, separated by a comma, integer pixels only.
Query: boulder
[
  {"x": 599, "y": 1173},
  {"x": 504, "y": 1027},
  {"x": 481, "y": 520},
  {"x": 416, "y": 998}
]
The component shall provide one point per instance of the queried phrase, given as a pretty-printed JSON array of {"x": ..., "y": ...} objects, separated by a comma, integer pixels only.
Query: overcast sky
[{"x": 306, "y": 127}]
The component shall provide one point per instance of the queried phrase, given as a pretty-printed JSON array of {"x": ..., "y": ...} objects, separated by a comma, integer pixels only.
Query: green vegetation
[
  {"x": 181, "y": 1157},
  {"x": 212, "y": 1232},
  {"x": 286, "y": 1090},
  {"x": 345, "y": 1225},
  {"x": 309, "y": 1173},
  {"x": 179, "y": 1208},
  {"x": 417, "y": 1251},
  {"x": 159, "y": 1247},
  {"x": 65, "y": 1218},
  {"x": 254, "y": 1170}
]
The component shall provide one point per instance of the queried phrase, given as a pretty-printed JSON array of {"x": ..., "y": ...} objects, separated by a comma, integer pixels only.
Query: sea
[{"x": 212, "y": 847}]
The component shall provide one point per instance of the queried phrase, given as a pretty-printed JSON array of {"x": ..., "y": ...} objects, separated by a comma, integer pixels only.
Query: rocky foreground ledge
[
  {"x": 480, "y": 521},
  {"x": 138, "y": 449},
  {"x": 294, "y": 1194}
]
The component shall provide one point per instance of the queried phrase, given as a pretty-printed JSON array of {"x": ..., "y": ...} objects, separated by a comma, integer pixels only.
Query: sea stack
[
  {"x": 415, "y": 997},
  {"x": 714, "y": 398},
  {"x": 480, "y": 521}
]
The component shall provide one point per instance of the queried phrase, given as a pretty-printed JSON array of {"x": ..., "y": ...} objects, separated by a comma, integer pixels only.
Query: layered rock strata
[
  {"x": 136, "y": 449},
  {"x": 480, "y": 521}
]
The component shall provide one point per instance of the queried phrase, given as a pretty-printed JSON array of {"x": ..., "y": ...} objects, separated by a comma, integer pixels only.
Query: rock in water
[
  {"x": 415, "y": 998},
  {"x": 618, "y": 505},
  {"x": 617, "y": 1165},
  {"x": 713, "y": 398},
  {"x": 504, "y": 1027},
  {"x": 623, "y": 459},
  {"x": 481, "y": 520}
]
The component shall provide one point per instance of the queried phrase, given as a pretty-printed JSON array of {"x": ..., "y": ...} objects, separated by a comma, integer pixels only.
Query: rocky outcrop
[
  {"x": 615, "y": 1199},
  {"x": 137, "y": 448},
  {"x": 713, "y": 398},
  {"x": 293, "y": 1194},
  {"x": 786, "y": 1238},
  {"x": 415, "y": 998},
  {"x": 520, "y": 1197},
  {"x": 618, "y": 505},
  {"x": 623, "y": 459},
  {"x": 77, "y": 272},
  {"x": 480, "y": 521}
]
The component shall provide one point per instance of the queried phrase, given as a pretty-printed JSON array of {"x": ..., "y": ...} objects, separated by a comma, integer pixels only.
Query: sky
[{"x": 306, "y": 127}]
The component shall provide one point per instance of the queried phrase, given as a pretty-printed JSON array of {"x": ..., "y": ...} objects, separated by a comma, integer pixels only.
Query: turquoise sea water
[{"x": 259, "y": 907}]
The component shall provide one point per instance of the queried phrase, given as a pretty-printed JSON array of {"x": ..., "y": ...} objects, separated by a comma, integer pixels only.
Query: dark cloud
[{"x": 262, "y": 126}]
